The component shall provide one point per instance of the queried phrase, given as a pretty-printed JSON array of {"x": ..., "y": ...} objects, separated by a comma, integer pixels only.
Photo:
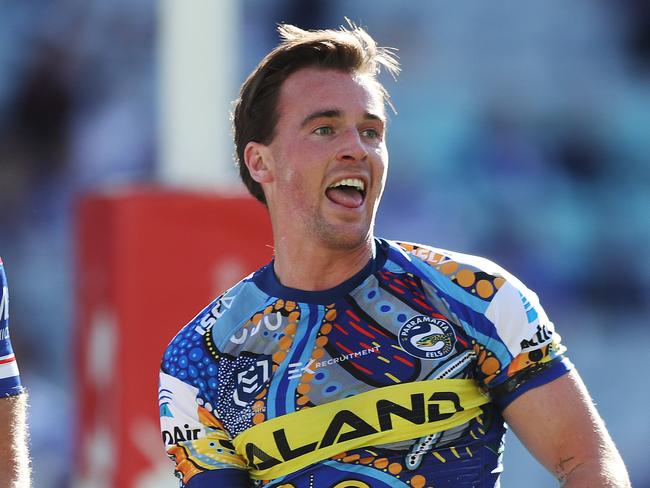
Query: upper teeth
[{"x": 354, "y": 182}]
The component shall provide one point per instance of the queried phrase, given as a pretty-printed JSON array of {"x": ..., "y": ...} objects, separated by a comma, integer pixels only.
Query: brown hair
[{"x": 255, "y": 114}]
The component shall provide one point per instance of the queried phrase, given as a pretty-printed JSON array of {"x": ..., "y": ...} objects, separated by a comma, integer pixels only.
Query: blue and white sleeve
[{"x": 9, "y": 375}]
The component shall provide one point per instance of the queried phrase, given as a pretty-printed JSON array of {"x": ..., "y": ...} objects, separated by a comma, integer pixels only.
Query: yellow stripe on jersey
[{"x": 285, "y": 444}]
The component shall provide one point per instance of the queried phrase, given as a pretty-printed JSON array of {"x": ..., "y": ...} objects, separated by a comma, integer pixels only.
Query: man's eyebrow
[
  {"x": 336, "y": 113},
  {"x": 371, "y": 116},
  {"x": 328, "y": 114}
]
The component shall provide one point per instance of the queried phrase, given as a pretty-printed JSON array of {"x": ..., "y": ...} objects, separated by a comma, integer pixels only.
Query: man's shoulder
[
  {"x": 223, "y": 315},
  {"x": 446, "y": 261},
  {"x": 468, "y": 279}
]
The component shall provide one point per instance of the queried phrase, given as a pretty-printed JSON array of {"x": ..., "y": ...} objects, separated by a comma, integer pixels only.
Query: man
[
  {"x": 14, "y": 455},
  {"x": 353, "y": 361}
]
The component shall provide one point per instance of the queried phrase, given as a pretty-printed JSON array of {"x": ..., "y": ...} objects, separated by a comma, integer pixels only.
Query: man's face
[{"x": 328, "y": 158}]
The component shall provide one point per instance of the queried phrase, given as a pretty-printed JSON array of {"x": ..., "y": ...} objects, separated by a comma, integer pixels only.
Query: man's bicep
[
  {"x": 14, "y": 452},
  {"x": 559, "y": 425}
]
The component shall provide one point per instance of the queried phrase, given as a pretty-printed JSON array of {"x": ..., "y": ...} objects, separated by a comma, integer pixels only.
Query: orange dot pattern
[
  {"x": 293, "y": 317},
  {"x": 291, "y": 311},
  {"x": 418, "y": 481},
  {"x": 465, "y": 278},
  {"x": 487, "y": 362},
  {"x": 396, "y": 469},
  {"x": 530, "y": 358},
  {"x": 449, "y": 267},
  {"x": 484, "y": 289},
  {"x": 304, "y": 387},
  {"x": 381, "y": 463},
  {"x": 475, "y": 282}
]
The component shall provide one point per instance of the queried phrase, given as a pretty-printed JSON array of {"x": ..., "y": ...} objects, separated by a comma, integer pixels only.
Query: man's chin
[{"x": 344, "y": 237}]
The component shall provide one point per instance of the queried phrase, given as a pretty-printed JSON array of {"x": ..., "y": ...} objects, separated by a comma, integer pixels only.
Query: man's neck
[{"x": 311, "y": 268}]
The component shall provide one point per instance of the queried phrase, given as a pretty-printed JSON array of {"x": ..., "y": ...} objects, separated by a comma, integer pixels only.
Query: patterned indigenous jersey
[
  {"x": 395, "y": 378},
  {"x": 9, "y": 376}
]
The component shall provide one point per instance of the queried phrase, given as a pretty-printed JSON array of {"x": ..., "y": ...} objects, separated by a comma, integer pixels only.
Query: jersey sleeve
[
  {"x": 194, "y": 438},
  {"x": 526, "y": 347},
  {"x": 10, "y": 384}
]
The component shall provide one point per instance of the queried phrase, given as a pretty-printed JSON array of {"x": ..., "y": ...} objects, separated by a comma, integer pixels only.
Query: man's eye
[
  {"x": 370, "y": 133},
  {"x": 323, "y": 131}
]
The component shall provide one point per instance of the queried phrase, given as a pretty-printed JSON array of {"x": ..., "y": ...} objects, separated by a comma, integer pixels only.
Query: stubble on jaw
[{"x": 339, "y": 237}]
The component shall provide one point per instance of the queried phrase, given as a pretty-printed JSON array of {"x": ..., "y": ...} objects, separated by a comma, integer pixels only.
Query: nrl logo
[{"x": 250, "y": 381}]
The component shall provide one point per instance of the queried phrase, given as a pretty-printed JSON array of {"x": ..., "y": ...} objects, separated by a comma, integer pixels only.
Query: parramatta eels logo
[{"x": 427, "y": 337}]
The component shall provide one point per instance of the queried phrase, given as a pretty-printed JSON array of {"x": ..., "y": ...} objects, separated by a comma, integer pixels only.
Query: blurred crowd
[{"x": 522, "y": 134}]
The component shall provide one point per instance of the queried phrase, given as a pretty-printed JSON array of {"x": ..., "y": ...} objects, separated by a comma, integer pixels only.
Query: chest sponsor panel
[{"x": 282, "y": 445}]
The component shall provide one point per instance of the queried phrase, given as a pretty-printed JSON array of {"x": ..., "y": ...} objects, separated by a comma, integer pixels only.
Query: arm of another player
[
  {"x": 14, "y": 454},
  {"x": 558, "y": 423}
]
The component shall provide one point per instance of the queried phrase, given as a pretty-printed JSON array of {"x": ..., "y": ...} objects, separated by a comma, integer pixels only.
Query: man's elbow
[{"x": 606, "y": 470}]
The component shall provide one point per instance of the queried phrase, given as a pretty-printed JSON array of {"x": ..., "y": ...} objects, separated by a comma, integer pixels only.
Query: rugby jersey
[{"x": 395, "y": 378}]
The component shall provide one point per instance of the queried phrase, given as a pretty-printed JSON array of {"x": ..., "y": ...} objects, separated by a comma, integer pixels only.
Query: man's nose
[{"x": 352, "y": 146}]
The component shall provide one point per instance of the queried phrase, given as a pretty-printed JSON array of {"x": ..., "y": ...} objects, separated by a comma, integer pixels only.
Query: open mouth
[{"x": 348, "y": 192}]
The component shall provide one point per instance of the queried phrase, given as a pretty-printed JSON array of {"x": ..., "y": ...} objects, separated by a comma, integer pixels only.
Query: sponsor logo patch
[{"x": 427, "y": 337}]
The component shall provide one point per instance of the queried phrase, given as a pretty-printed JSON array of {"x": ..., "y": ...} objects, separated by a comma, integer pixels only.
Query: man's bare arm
[
  {"x": 14, "y": 453},
  {"x": 558, "y": 423}
]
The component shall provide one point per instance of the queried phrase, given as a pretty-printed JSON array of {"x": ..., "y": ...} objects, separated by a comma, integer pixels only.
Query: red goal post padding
[{"x": 147, "y": 261}]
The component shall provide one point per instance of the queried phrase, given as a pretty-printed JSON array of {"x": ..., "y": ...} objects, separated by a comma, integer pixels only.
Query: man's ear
[{"x": 259, "y": 161}]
